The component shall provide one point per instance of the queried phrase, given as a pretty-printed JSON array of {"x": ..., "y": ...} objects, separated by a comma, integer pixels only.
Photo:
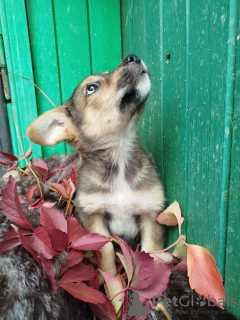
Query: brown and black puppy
[{"x": 118, "y": 187}]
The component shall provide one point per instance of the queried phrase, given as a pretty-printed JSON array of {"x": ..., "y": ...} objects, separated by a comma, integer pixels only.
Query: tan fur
[{"x": 40, "y": 130}]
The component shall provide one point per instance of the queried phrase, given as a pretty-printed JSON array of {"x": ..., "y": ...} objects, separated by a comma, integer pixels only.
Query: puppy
[{"x": 118, "y": 187}]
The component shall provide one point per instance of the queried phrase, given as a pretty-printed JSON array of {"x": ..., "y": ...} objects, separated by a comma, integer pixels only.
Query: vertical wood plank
[
  {"x": 45, "y": 59},
  {"x": 232, "y": 269},
  {"x": 207, "y": 66},
  {"x": 105, "y": 34},
  {"x": 73, "y": 47},
  {"x": 16, "y": 41}
]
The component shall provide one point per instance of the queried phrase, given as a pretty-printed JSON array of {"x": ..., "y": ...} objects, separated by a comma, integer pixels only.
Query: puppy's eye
[{"x": 92, "y": 87}]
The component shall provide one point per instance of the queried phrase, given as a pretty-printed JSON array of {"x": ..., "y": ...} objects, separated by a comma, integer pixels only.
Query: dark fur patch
[
  {"x": 126, "y": 78},
  {"x": 129, "y": 100}
]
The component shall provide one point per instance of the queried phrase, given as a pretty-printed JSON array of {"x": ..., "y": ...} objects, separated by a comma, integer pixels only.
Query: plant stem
[
  {"x": 160, "y": 307},
  {"x": 125, "y": 289},
  {"x": 68, "y": 205},
  {"x": 35, "y": 86},
  {"x": 23, "y": 171},
  {"x": 21, "y": 145},
  {"x": 166, "y": 249}
]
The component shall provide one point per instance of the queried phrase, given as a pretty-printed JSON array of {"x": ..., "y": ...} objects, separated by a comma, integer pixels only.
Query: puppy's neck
[{"x": 114, "y": 148}]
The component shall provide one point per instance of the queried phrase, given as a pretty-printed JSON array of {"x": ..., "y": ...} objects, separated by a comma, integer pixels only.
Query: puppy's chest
[{"x": 120, "y": 201}]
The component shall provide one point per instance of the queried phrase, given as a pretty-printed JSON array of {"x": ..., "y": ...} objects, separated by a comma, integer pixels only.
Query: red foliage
[{"x": 146, "y": 273}]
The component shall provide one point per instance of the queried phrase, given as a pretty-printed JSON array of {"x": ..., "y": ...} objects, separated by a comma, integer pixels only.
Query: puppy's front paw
[
  {"x": 108, "y": 261},
  {"x": 112, "y": 271}
]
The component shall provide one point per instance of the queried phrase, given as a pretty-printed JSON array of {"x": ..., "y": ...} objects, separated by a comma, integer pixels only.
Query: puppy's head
[{"x": 103, "y": 105}]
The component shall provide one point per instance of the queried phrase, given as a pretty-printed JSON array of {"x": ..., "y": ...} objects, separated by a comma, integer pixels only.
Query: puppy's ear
[{"x": 52, "y": 127}]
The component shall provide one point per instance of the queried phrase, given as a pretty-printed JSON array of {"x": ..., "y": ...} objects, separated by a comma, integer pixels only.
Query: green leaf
[{"x": 180, "y": 250}]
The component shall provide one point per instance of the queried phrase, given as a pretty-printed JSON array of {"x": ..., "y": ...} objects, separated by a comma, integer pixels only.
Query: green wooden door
[{"x": 191, "y": 122}]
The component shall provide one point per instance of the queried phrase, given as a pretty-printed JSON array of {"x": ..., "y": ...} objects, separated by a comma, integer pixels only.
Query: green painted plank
[
  {"x": 105, "y": 34},
  {"x": 175, "y": 83},
  {"x": 162, "y": 129},
  {"x": 5, "y": 35},
  {"x": 207, "y": 71},
  {"x": 72, "y": 36},
  {"x": 232, "y": 270},
  {"x": 237, "y": 73},
  {"x": 16, "y": 41},
  {"x": 41, "y": 25},
  {"x": 227, "y": 142}
]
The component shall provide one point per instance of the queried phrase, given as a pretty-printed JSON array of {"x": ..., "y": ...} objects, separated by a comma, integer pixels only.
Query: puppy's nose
[{"x": 131, "y": 59}]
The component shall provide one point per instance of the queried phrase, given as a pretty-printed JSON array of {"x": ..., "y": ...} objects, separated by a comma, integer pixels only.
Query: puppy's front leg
[
  {"x": 152, "y": 234},
  {"x": 98, "y": 225}
]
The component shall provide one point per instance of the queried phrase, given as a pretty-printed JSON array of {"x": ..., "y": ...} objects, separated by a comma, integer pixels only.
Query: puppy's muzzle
[
  {"x": 134, "y": 81},
  {"x": 133, "y": 59}
]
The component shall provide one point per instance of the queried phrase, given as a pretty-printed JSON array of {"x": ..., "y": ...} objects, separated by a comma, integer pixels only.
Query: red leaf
[
  {"x": 58, "y": 169},
  {"x": 26, "y": 244},
  {"x": 114, "y": 286},
  {"x": 8, "y": 156},
  {"x": 129, "y": 262},
  {"x": 11, "y": 206},
  {"x": 29, "y": 193},
  {"x": 36, "y": 204},
  {"x": 82, "y": 292},
  {"x": 41, "y": 243},
  {"x": 77, "y": 273},
  {"x": 91, "y": 241},
  {"x": 73, "y": 258},
  {"x": 6, "y": 162},
  {"x": 79, "y": 234},
  {"x": 73, "y": 176},
  {"x": 165, "y": 257},
  {"x": 203, "y": 274},
  {"x": 72, "y": 227},
  {"x": 12, "y": 168},
  {"x": 144, "y": 272},
  {"x": 94, "y": 281},
  {"x": 48, "y": 204},
  {"x": 171, "y": 216},
  {"x": 11, "y": 233},
  {"x": 73, "y": 187},
  {"x": 29, "y": 152},
  {"x": 104, "y": 311},
  {"x": 159, "y": 285},
  {"x": 51, "y": 218},
  {"x": 47, "y": 267},
  {"x": 60, "y": 189},
  {"x": 9, "y": 244},
  {"x": 67, "y": 186},
  {"x": 70, "y": 208},
  {"x": 46, "y": 264},
  {"x": 21, "y": 200},
  {"x": 40, "y": 168},
  {"x": 182, "y": 266},
  {"x": 58, "y": 238}
]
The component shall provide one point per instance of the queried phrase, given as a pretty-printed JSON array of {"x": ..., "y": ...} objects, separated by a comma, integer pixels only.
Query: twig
[
  {"x": 166, "y": 249},
  {"x": 20, "y": 140},
  {"x": 125, "y": 289},
  {"x": 35, "y": 86},
  {"x": 160, "y": 307},
  {"x": 23, "y": 171},
  {"x": 68, "y": 205}
]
